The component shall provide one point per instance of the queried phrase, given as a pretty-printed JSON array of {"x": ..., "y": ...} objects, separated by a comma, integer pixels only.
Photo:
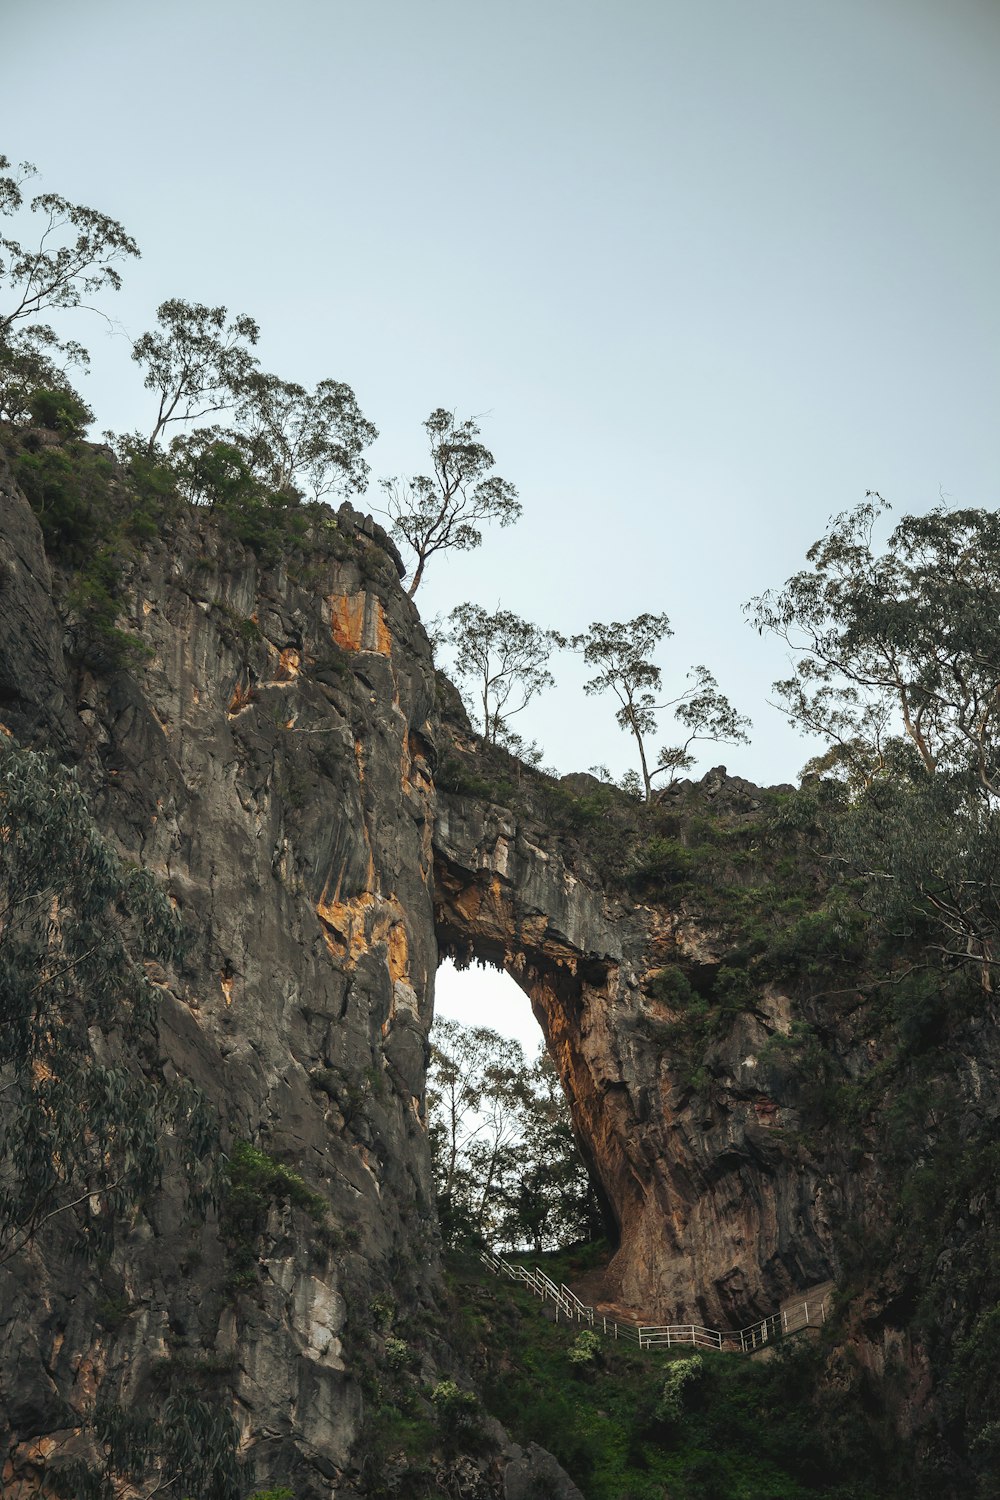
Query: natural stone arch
[{"x": 715, "y": 1220}]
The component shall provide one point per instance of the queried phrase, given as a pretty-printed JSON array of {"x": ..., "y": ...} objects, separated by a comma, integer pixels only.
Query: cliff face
[
  {"x": 275, "y": 763},
  {"x": 271, "y": 766}
]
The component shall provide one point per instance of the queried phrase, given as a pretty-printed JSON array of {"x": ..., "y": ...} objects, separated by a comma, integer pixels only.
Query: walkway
[{"x": 809, "y": 1311}]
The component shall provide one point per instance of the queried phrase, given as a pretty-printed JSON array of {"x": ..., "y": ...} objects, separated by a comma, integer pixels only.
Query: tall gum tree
[
  {"x": 503, "y": 660},
  {"x": 622, "y": 652},
  {"x": 443, "y": 510},
  {"x": 65, "y": 255},
  {"x": 198, "y": 362},
  {"x": 898, "y": 643}
]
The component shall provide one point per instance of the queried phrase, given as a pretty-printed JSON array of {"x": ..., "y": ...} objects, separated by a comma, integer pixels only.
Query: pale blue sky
[{"x": 712, "y": 270}]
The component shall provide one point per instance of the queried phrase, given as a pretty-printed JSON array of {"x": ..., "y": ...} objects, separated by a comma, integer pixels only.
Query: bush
[
  {"x": 682, "y": 1373},
  {"x": 60, "y": 411},
  {"x": 585, "y": 1348},
  {"x": 256, "y": 1181},
  {"x": 658, "y": 863},
  {"x": 457, "y": 1414}
]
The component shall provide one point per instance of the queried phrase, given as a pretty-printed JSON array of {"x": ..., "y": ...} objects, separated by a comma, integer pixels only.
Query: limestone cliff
[{"x": 284, "y": 763}]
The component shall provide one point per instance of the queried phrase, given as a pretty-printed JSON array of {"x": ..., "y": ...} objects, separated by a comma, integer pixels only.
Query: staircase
[{"x": 807, "y": 1309}]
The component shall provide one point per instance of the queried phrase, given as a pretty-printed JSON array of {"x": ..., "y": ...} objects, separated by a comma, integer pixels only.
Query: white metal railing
[{"x": 793, "y": 1316}]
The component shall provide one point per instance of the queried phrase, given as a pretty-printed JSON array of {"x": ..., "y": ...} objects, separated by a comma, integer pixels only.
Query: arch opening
[{"x": 508, "y": 1161}]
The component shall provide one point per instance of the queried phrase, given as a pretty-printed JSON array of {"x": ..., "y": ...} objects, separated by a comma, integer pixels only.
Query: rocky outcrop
[
  {"x": 718, "y": 1218},
  {"x": 270, "y": 764}
]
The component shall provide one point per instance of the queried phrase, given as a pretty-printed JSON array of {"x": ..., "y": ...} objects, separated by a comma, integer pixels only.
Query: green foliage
[
  {"x": 76, "y": 928},
  {"x": 899, "y": 650},
  {"x": 458, "y": 1417},
  {"x": 455, "y": 776},
  {"x": 213, "y": 468},
  {"x": 682, "y": 1374},
  {"x": 34, "y": 360},
  {"x": 585, "y": 1348},
  {"x": 659, "y": 864},
  {"x": 72, "y": 253},
  {"x": 645, "y": 1424},
  {"x": 672, "y": 986},
  {"x": 69, "y": 489},
  {"x": 507, "y": 1167},
  {"x": 504, "y": 660},
  {"x": 188, "y": 1445},
  {"x": 60, "y": 410},
  {"x": 622, "y": 654},
  {"x": 383, "y": 1311},
  {"x": 398, "y": 1353},
  {"x": 256, "y": 1181},
  {"x": 67, "y": 254},
  {"x": 89, "y": 528},
  {"x": 292, "y": 436},
  {"x": 196, "y": 361}
]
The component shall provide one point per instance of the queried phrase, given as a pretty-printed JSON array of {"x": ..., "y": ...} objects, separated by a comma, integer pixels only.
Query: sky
[{"x": 705, "y": 273}]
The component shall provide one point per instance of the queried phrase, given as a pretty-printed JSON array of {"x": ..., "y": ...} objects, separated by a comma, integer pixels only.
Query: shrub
[
  {"x": 457, "y": 1413},
  {"x": 60, "y": 411},
  {"x": 660, "y": 862},
  {"x": 256, "y": 1181},
  {"x": 681, "y": 1374},
  {"x": 585, "y": 1348}
]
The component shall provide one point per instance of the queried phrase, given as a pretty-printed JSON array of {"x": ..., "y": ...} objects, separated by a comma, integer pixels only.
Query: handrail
[{"x": 792, "y": 1317}]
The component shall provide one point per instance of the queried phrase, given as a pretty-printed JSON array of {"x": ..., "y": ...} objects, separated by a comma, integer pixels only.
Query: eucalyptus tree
[
  {"x": 82, "y": 1117},
  {"x": 73, "y": 252},
  {"x": 443, "y": 510},
  {"x": 505, "y": 1159},
  {"x": 504, "y": 661},
  {"x": 66, "y": 254},
  {"x": 198, "y": 362},
  {"x": 898, "y": 671},
  {"x": 475, "y": 1088},
  {"x": 898, "y": 648},
  {"x": 294, "y": 437},
  {"x": 622, "y": 653}
]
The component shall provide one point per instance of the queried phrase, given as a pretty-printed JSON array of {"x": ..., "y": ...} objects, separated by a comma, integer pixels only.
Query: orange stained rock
[
  {"x": 468, "y": 902},
  {"x": 383, "y": 637},
  {"x": 398, "y": 957},
  {"x": 242, "y": 695},
  {"x": 353, "y": 927},
  {"x": 289, "y": 664},
  {"x": 357, "y": 622},
  {"x": 226, "y": 980}
]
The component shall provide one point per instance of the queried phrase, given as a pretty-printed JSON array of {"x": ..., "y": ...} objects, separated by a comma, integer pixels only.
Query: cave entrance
[{"x": 507, "y": 1162}]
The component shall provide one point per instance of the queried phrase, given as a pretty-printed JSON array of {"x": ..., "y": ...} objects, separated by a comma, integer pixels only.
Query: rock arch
[{"x": 715, "y": 1218}]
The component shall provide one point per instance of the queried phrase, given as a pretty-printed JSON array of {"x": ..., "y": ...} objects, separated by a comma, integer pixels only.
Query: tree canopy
[
  {"x": 67, "y": 253},
  {"x": 198, "y": 361},
  {"x": 622, "y": 652},
  {"x": 295, "y": 437},
  {"x": 507, "y": 1168},
  {"x": 504, "y": 661},
  {"x": 435, "y": 512},
  {"x": 899, "y": 648},
  {"x": 74, "y": 251},
  {"x": 899, "y": 672}
]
